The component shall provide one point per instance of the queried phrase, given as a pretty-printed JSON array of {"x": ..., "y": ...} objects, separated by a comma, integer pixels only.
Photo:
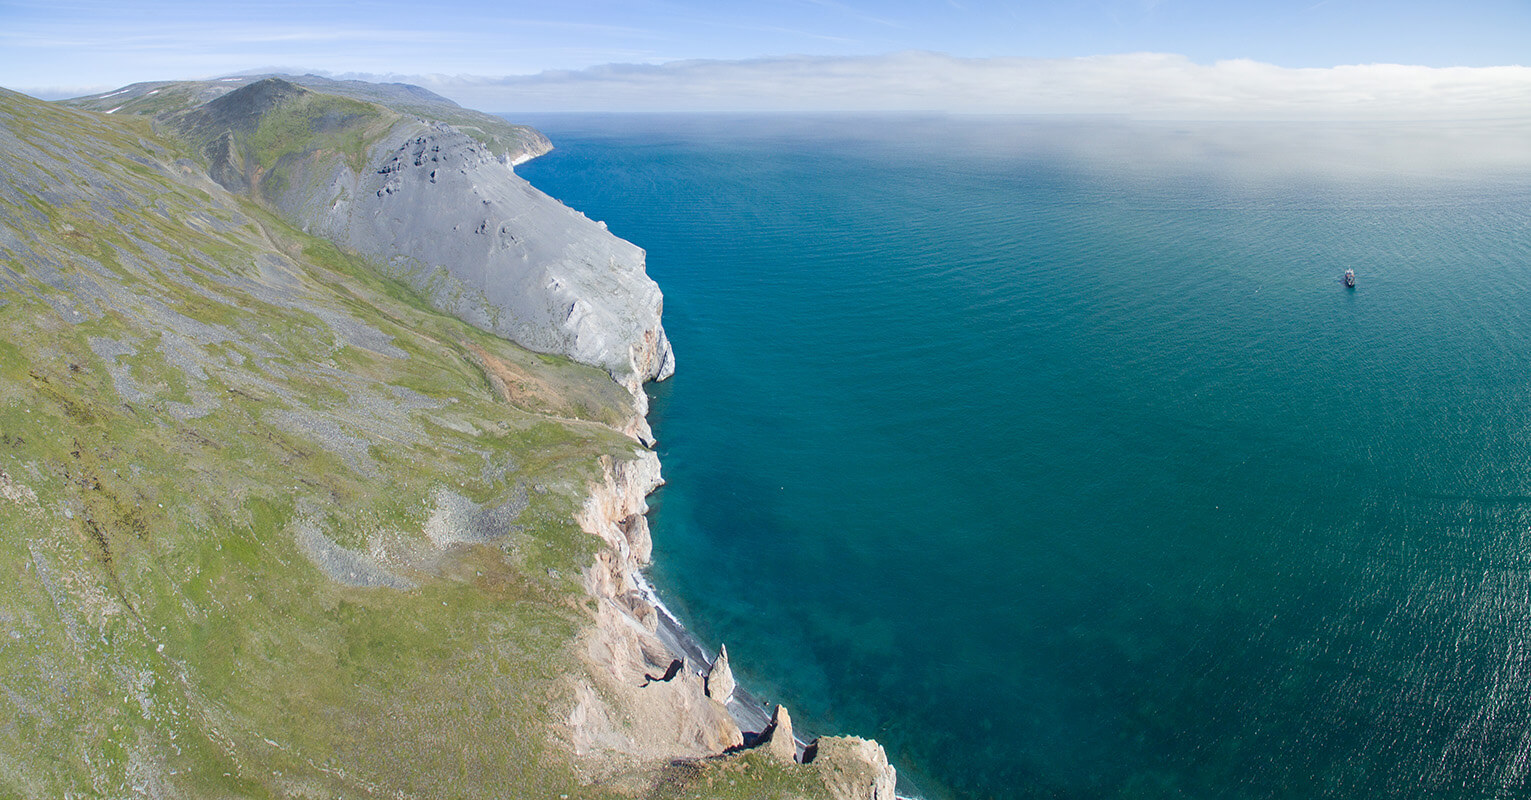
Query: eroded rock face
[
  {"x": 854, "y": 768},
  {"x": 440, "y": 209},
  {"x": 435, "y": 208},
  {"x": 638, "y": 708},
  {"x": 615, "y": 509}
]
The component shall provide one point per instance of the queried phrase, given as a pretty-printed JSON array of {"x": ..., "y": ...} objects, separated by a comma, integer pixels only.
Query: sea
[{"x": 1055, "y": 455}]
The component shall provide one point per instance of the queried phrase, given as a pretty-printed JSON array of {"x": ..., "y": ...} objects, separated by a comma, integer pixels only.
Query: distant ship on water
[{"x": 1350, "y": 278}]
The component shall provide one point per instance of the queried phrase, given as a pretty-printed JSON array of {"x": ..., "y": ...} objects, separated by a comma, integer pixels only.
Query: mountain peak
[{"x": 243, "y": 108}]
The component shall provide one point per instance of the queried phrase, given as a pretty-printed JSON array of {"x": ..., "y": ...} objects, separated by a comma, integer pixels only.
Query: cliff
[
  {"x": 425, "y": 191},
  {"x": 644, "y": 702},
  {"x": 273, "y": 519}
]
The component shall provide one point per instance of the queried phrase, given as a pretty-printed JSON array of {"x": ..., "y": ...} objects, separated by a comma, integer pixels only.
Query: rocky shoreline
[{"x": 664, "y": 695}]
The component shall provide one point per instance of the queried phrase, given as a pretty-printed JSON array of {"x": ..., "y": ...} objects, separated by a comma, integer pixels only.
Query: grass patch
[
  {"x": 317, "y": 122},
  {"x": 743, "y": 776}
]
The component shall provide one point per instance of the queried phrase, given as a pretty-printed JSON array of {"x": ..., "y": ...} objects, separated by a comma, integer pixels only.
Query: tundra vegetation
[{"x": 272, "y": 525}]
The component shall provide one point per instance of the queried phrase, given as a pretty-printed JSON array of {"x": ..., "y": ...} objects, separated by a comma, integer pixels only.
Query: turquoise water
[{"x": 1055, "y": 456}]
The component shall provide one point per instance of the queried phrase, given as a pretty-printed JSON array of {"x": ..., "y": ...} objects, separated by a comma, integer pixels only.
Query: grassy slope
[
  {"x": 295, "y": 142},
  {"x": 747, "y": 775},
  {"x": 184, "y": 380},
  {"x": 501, "y": 137},
  {"x": 186, "y": 383},
  {"x": 167, "y": 97},
  {"x": 352, "y": 127}
]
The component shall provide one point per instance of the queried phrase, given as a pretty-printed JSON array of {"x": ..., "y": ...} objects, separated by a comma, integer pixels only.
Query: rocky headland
[{"x": 323, "y": 466}]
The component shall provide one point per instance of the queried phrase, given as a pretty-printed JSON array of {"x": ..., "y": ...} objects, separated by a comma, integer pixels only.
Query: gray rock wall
[{"x": 437, "y": 210}]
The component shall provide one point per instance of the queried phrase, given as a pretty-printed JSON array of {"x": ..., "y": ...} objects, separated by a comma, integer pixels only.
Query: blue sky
[{"x": 58, "y": 47}]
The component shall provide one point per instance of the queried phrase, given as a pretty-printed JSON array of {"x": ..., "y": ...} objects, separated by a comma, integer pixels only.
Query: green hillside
[
  {"x": 250, "y": 497},
  {"x": 276, "y": 528}
]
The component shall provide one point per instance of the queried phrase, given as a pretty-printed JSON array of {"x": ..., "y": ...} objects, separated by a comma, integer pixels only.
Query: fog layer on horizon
[{"x": 1145, "y": 85}]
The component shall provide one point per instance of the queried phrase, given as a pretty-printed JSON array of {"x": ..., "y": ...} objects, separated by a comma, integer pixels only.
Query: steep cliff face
[
  {"x": 638, "y": 703},
  {"x": 641, "y": 703},
  {"x": 439, "y": 211},
  {"x": 439, "y": 207}
]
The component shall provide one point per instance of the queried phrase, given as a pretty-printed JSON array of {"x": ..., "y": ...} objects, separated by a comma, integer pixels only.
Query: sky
[{"x": 1146, "y": 57}]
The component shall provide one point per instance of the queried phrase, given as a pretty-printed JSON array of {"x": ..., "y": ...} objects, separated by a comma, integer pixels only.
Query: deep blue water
[{"x": 1055, "y": 456}]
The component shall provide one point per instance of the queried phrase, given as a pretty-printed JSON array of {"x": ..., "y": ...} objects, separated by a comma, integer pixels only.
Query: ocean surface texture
[{"x": 1056, "y": 456}]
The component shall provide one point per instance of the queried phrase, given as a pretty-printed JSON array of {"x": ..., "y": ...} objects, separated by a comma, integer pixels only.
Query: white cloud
[{"x": 1143, "y": 84}]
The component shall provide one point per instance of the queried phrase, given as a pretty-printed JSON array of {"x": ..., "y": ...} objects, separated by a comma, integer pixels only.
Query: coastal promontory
[{"x": 323, "y": 463}]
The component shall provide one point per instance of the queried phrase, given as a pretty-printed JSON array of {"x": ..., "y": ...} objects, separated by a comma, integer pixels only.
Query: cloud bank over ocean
[{"x": 1149, "y": 85}]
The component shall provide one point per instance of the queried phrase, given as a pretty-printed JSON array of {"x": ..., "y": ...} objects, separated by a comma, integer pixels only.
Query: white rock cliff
[{"x": 440, "y": 211}]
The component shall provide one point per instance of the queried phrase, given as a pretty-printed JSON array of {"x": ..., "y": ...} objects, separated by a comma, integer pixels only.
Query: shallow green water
[{"x": 1055, "y": 456}]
